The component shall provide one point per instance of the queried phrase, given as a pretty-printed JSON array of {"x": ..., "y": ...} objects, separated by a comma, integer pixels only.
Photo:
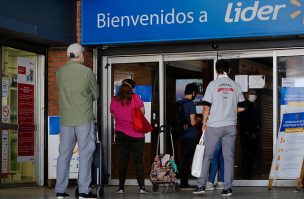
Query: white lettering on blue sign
[
  {"x": 104, "y": 22},
  {"x": 236, "y": 13},
  {"x": 172, "y": 17}
]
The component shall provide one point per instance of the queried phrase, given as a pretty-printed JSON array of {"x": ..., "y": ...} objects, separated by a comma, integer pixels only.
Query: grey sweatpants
[
  {"x": 212, "y": 136},
  {"x": 69, "y": 135}
]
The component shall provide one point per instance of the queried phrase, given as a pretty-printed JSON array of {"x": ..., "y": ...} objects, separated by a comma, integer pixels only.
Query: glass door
[
  {"x": 254, "y": 141},
  {"x": 181, "y": 70},
  {"x": 254, "y": 70},
  {"x": 290, "y": 89},
  {"x": 18, "y": 137},
  {"x": 145, "y": 72}
]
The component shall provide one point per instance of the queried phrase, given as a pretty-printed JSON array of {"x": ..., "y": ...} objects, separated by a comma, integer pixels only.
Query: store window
[
  {"x": 291, "y": 68},
  {"x": 18, "y": 116},
  {"x": 291, "y": 83}
]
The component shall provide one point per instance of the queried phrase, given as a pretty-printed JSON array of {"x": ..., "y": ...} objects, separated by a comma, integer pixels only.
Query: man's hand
[
  {"x": 206, "y": 110},
  {"x": 204, "y": 127}
]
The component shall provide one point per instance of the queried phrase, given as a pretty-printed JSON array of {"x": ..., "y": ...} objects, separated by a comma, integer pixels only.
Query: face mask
[{"x": 252, "y": 98}]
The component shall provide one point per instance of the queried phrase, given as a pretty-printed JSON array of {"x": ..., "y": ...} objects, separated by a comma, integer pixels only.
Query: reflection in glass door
[{"x": 146, "y": 76}]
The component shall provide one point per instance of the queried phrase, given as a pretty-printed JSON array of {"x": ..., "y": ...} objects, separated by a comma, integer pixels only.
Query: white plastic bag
[
  {"x": 165, "y": 159},
  {"x": 198, "y": 157}
]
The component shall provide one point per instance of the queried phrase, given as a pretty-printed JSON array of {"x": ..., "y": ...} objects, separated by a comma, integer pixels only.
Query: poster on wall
[
  {"x": 26, "y": 112},
  {"x": 256, "y": 81},
  {"x": 53, "y": 141},
  {"x": 242, "y": 80},
  {"x": 145, "y": 93},
  {"x": 4, "y": 154}
]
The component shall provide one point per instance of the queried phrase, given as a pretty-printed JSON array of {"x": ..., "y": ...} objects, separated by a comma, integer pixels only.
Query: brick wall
[
  {"x": 78, "y": 21},
  {"x": 56, "y": 58}
]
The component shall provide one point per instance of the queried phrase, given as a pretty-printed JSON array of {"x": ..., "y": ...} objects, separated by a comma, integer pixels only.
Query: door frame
[
  {"x": 106, "y": 99},
  {"x": 39, "y": 118},
  {"x": 184, "y": 56},
  {"x": 234, "y": 54}
]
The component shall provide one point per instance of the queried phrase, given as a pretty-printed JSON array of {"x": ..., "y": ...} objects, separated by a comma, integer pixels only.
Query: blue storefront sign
[{"x": 132, "y": 21}]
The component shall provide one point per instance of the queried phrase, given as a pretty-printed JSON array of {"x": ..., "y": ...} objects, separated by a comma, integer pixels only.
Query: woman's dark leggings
[{"x": 125, "y": 146}]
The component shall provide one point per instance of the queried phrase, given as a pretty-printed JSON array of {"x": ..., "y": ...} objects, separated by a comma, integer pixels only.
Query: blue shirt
[{"x": 189, "y": 108}]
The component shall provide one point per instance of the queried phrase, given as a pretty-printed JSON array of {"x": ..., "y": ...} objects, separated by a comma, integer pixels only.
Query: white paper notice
[
  {"x": 6, "y": 114},
  {"x": 256, "y": 81},
  {"x": 4, "y": 88},
  {"x": 4, "y": 156},
  {"x": 242, "y": 80},
  {"x": 148, "y": 106},
  {"x": 288, "y": 82}
]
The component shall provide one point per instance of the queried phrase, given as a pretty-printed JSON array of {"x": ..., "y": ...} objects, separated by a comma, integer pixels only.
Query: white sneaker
[
  {"x": 143, "y": 191},
  {"x": 209, "y": 186},
  {"x": 220, "y": 185},
  {"x": 120, "y": 191}
]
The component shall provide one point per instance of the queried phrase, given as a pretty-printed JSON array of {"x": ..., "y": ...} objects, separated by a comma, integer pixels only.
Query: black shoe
[
  {"x": 199, "y": 190},
  {"x": 62, "y": 195},
  {"x": 90, "y": 195},
  {"x": 226, "y": 192}
]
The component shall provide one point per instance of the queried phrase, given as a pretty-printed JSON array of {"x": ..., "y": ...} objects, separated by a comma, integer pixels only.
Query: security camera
[{"x": 214, "y": 45}]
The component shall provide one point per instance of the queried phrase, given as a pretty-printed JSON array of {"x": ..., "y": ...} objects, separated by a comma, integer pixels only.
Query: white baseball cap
[{"x": 74, "y": 50}]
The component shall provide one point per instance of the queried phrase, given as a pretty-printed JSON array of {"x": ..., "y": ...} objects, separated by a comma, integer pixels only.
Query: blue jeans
[{"x": 217, "y": 164}]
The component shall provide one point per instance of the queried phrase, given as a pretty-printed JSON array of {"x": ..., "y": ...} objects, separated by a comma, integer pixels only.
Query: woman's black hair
[
  {"x": 129, "y": 82},
  {"x": 125, "y": 92}
]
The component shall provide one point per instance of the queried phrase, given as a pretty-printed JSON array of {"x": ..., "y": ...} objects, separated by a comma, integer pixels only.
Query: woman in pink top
[{"x": 127, "y": 140}]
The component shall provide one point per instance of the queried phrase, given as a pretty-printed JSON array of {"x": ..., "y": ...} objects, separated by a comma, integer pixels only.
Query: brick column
[{"x": 56, "y": 58}]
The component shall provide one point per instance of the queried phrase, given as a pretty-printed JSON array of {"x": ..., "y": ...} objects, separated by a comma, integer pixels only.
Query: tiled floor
[{"x": 132, "y": 192}]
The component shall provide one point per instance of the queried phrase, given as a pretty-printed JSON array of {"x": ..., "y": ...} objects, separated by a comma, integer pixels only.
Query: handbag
[
  {"x": 140, "y": 123},
  {"x": 198, "y": 157}
]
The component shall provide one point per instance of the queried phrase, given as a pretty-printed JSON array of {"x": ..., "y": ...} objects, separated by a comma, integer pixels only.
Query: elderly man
[{"x": 77, "y": 89}]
